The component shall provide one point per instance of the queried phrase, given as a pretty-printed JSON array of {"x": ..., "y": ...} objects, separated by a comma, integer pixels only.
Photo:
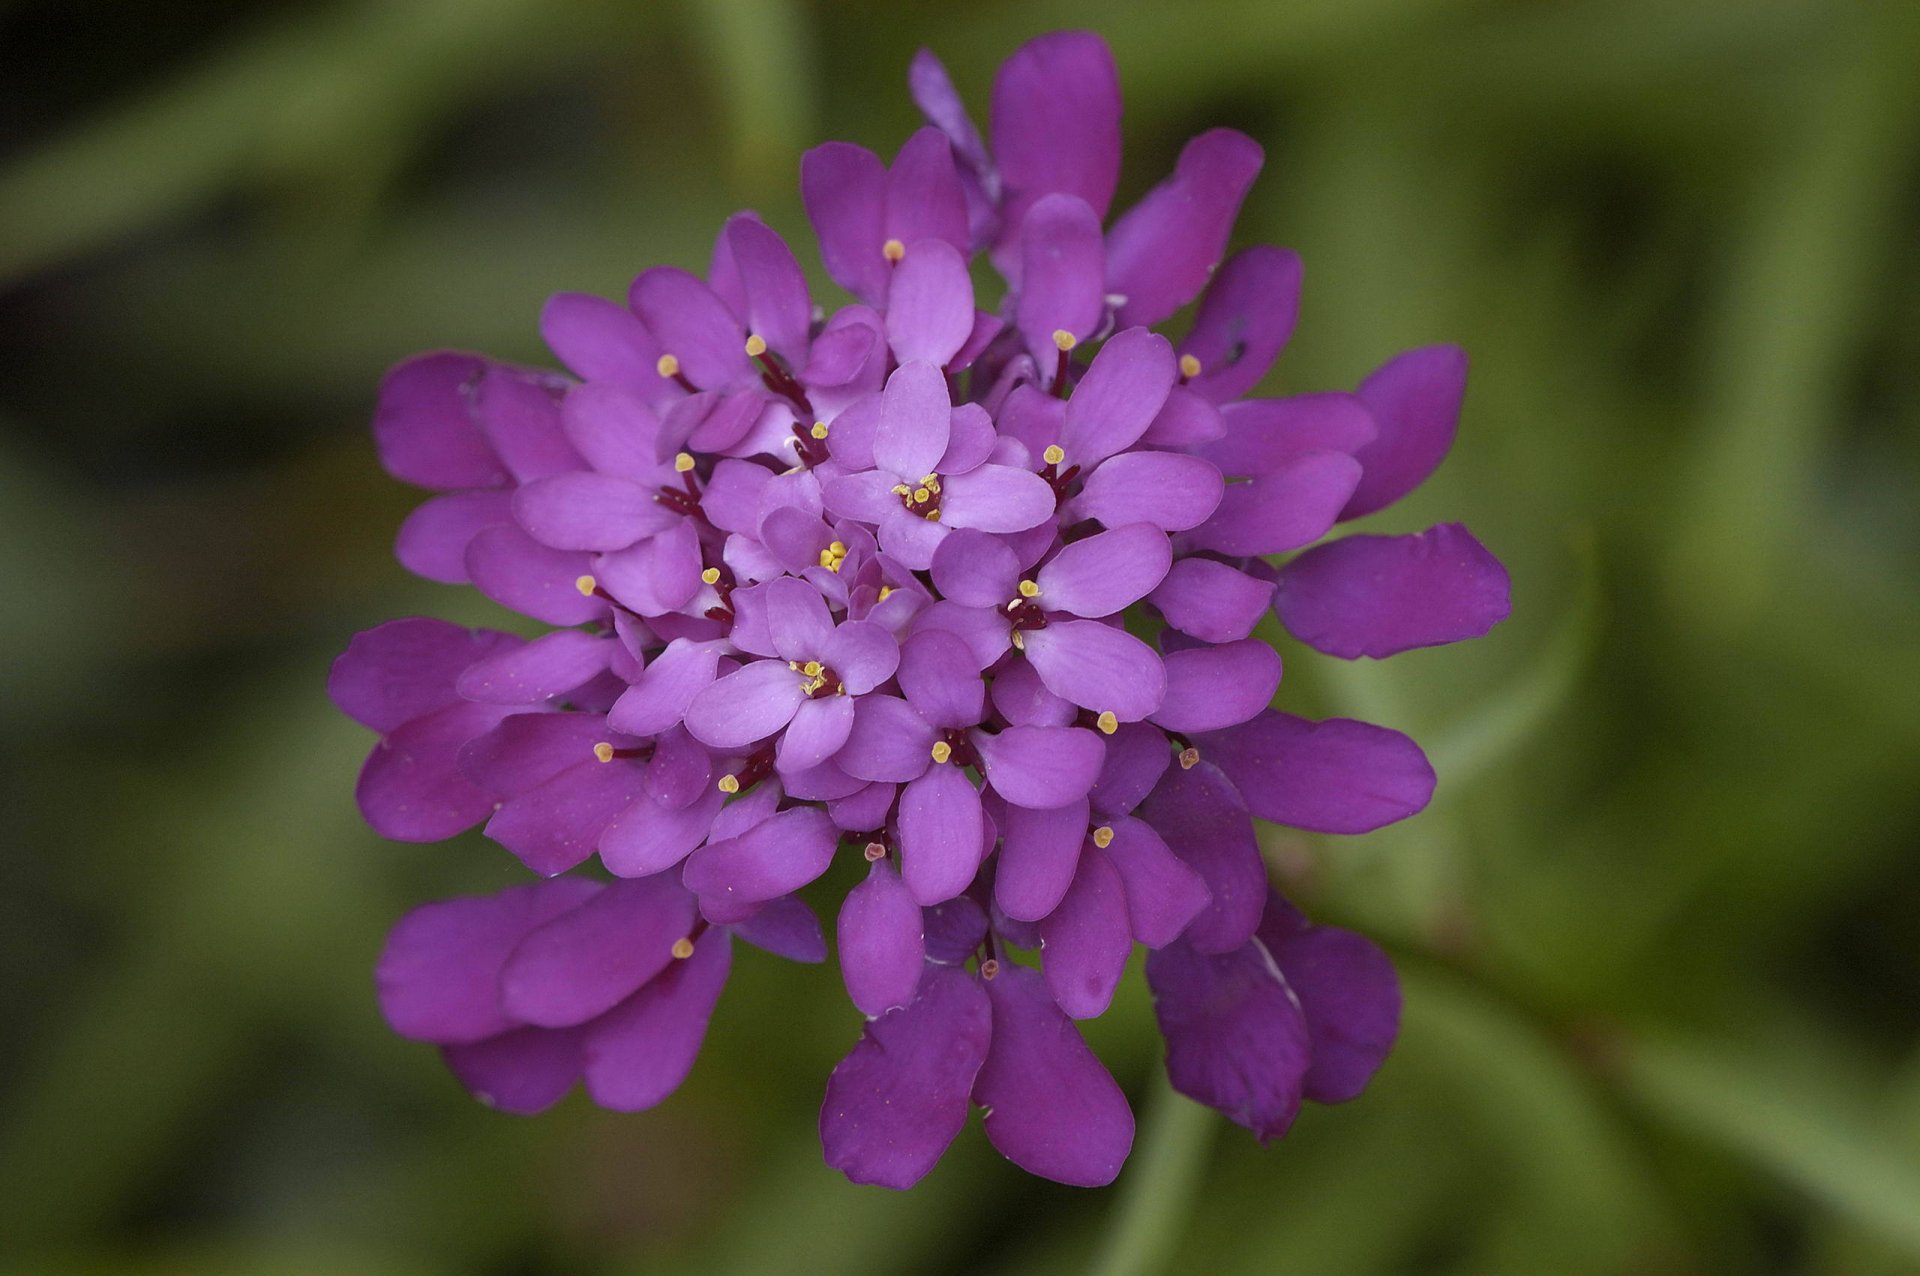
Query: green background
[{"x": 1658, "y": 933}]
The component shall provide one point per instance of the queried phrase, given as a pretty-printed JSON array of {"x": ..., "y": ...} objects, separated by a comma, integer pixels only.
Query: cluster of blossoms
[{"x": 858, "y": 585}]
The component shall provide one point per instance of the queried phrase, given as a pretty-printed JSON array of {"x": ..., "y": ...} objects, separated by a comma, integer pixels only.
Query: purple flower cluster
[{"x": 969, "y": 593}]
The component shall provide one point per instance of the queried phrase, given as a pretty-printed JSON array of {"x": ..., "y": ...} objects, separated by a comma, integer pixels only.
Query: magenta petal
[
  {"x": 1348, "y": 993},
  {"x": 588, "y": 960},
  {"x": 975, "y": 569},
  {"x": 693, "y": 325},
  {"x": 881, "y": 947},
  {"x": 1203, "y": 820},
  {"x": 666, "y": 688},
  {"x": 775, "y": 857},
  {"x": 797, "y": 619},
  {"x": 818, "y": 729},
  {"x": 405, "y": 669},
  {"x": 1037, "y": 859},
  {"x": 1098, "y": 667},
  {"x": 1024, "y": 701},
  {"x": 929, "y": 304},
  {"x": 519, "y": 573},
  {"x": 996, "y": 498},
  {"x": 899, "y": 1098},
  {"x": 1052, "y": 1107},
  {"x": 411, "y": 788},
  {"x": 915, "y": 422},
  {"x": 549, "y": 665},
  {"x": 1116, "y": 401},
  {"x": 1062, "y": 275},
  {"x": 519, "y": 412},
  {"x": 659, "y": 575},
  {"x": 778, "y": 309},
  {"x": 1211, "y": 601},
  {"x": 785, "y": 927},
  {"x": 1209, "y": 688},
  {"x": 940, "y": 831},
  {"x": 932, "y": 91},
  {"x": 433, "y": 540},
  {"x": 1161, "y": 253},
  {"x": 424, "y": 427},
  {"x": 1087, "y": 939},
  {"x": 954, "y": 930},
  {"x": 865, "y": 809},
  {"x": 1106, "y": 572},
  {"x": 1136, "y": 758},
  {"x": 1337, "y": 776},
  {"x": 1186, "y": 420},
  {"x": 1055, "y": 121},
  {"x": 924, "y": 197},
  {"x": 971, "y": 440},
  {"x": 1273, "y": 513},
  {"x": 889, "y": 741},
  {"x": 523, "y": 1072},
  {"x": 734, "y": 494},
  {"x": 863, "y": 654},
  {"x": 983, "y": 629},
  {"x": 1244, "y": 320},
  {"x": 438, "y": 977},
  {"x": 1040, "y": 767},
  {"x": 937, "y": 674},
  {"x": 1264, "y": 435},
  {"x": 1164, "y": 894},
  {"x": 746, "y": 706},
  {"x": 1171, "y": 491},
  {"x": 680, "y": 771},
  {"x": 1380, "y": 595},
  {"x": 557, "y": 824},
  {"x": 1236, "y": 1040},
  {"x": 1415, "y": 400},
  {"x": 600, "y": 340},
  {"x": 639, "y": 1052},
  {"x": 844, "y": 187},
  {"x": 527, "y": 749},
  {"x": 650, "y": 837}
]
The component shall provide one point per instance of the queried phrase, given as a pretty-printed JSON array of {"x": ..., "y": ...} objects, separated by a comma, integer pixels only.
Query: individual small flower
[{"x": 970, "y": 595}]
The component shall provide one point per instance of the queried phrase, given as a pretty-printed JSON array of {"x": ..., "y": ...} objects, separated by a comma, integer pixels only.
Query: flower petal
[
  {"x": 1162, "y": 251},
  {"x": 778, "y": 309},
  {"x": 1336, "y": 776},
  {"x": 666, "y": 688},
  {"x": 1114, "y": 403},
  {"x": 519, "y": 573},
  {"x": 692, "y": 324},
  {"x": 406, "y": 669},
  {"x": 1098, "y": 667},
  {"x": 785, "y": 927},
  {"x": 1087, "y": 939},
  {"x": 889, "y": 741},
  {"x": 1245, "y": 317},
  {"x": 433, "y": 540},
  {"x": 1415, "y": 400},
  {"x": 937, "y": 674},
  {"x": 523, "y": 1072},
  {"x": 1055, "y": 122},
  {"x": 1052, "y": 1107},
  {"x": 863, "y": 653},
  {"x": 1212, "y": 687},
  {"x": 940, "y": 829},
  {"x": 1024, "y": 701},
  {"x": 1203, "y": 819},
  {"x": 588, "y": 960},
  {"x": 600, "y": 341},
  {"x": 775, "y": 857},
  {"x": 818, "y": 729},
  {"x": 899, "y": 1098},
  {"x": 1135, "y": 759},
  {"x": 1038, "y": 858},
  {"x": 924, "y": 197},
  {"x": 1348, "y": 993},
  {"x": 996, "y": 498},
  {"x": 651, "y": 837},
  {"x": 844, "y": 187},
  {"x": 1171, "y": 491},
  {"x": 882, "y": 951},
  {"x": 746, "y": 706},
  {"x": 424, "y": 425},
  {"x": 1380, "y": 595},
  {"x": 1062, "y": 276},
  {"x": 411, "y": 788},
  {"x": 929, "y": 304},
  {"x": 1211, "y": 601},
  {"x": 1264, "y": 435},
  {"x": 1273, "y": 513},
  {"x": 1164, "y": 894},
  {"x": 1106, "y": 572},
  {"x": 538, "y": 671},
  {"x": 639, "y": 1052},
  {"x": 1040, "y": 767},
  {"x": 915, "y": 423}
]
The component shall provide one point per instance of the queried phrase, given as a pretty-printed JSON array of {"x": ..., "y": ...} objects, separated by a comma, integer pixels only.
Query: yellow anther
[
  {"x": 586, "y": 585},
  {"x": 1019, "y": 641},
  {"x": 884, "y": 591},
  {"x": 794, "y": 665},
  {"x": 1107, "y": 723},
  {"x": 827, "y": 560},
  {"x": 711, "y": 576},
  {"x": 667, "y": 366},
  {"x": 933, "y": 516},
  {"x": 942, "y": 750},
  {"x": 901, "y": 489},
  {"x": 1189, "y": 759},
  {"x": 811, "y": 669},
  {"x": 819, "y": 430},
  {"x": 1054, "y": 454},
  {"x": 729, "y": 784},
  {"x": 893, "y": 250},
  {"x": 989, "y": 968},
  {"x": 1189, "y": 366},
  {"x": 1028, "y": 589},
  {"x": 922, "y": 494},
  {"x": 682, "y": 948},
  {"x": 1064, "y": 340},
  {"x": 1103, "y": 836},
  {"x": 837, "y": 548},
  {"x": 603, "y": 751},
  {"x": 682, "y": 462},
  {"x": 875, "y": 852},
  {"x": 756, "y": 345}
]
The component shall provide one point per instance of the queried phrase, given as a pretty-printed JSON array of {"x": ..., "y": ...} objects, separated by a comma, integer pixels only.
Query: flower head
[{"x": 967, "y": 595}]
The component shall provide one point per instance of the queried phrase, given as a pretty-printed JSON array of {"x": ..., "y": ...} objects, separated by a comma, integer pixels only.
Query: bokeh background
[{"x": 1660, "y": 934}]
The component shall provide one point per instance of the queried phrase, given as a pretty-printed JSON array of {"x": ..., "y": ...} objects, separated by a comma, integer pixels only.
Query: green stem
[{"x": 1158, "y": 1191}]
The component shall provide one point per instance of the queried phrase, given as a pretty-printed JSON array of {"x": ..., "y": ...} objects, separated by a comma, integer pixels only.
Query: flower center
[
  {"x": 817, "y": 680},
  {"x": 923, "y": 498}
]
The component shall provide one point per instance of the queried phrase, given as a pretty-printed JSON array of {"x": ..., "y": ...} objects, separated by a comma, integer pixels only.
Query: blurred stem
[{"x": 1150, "y": 1216}]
